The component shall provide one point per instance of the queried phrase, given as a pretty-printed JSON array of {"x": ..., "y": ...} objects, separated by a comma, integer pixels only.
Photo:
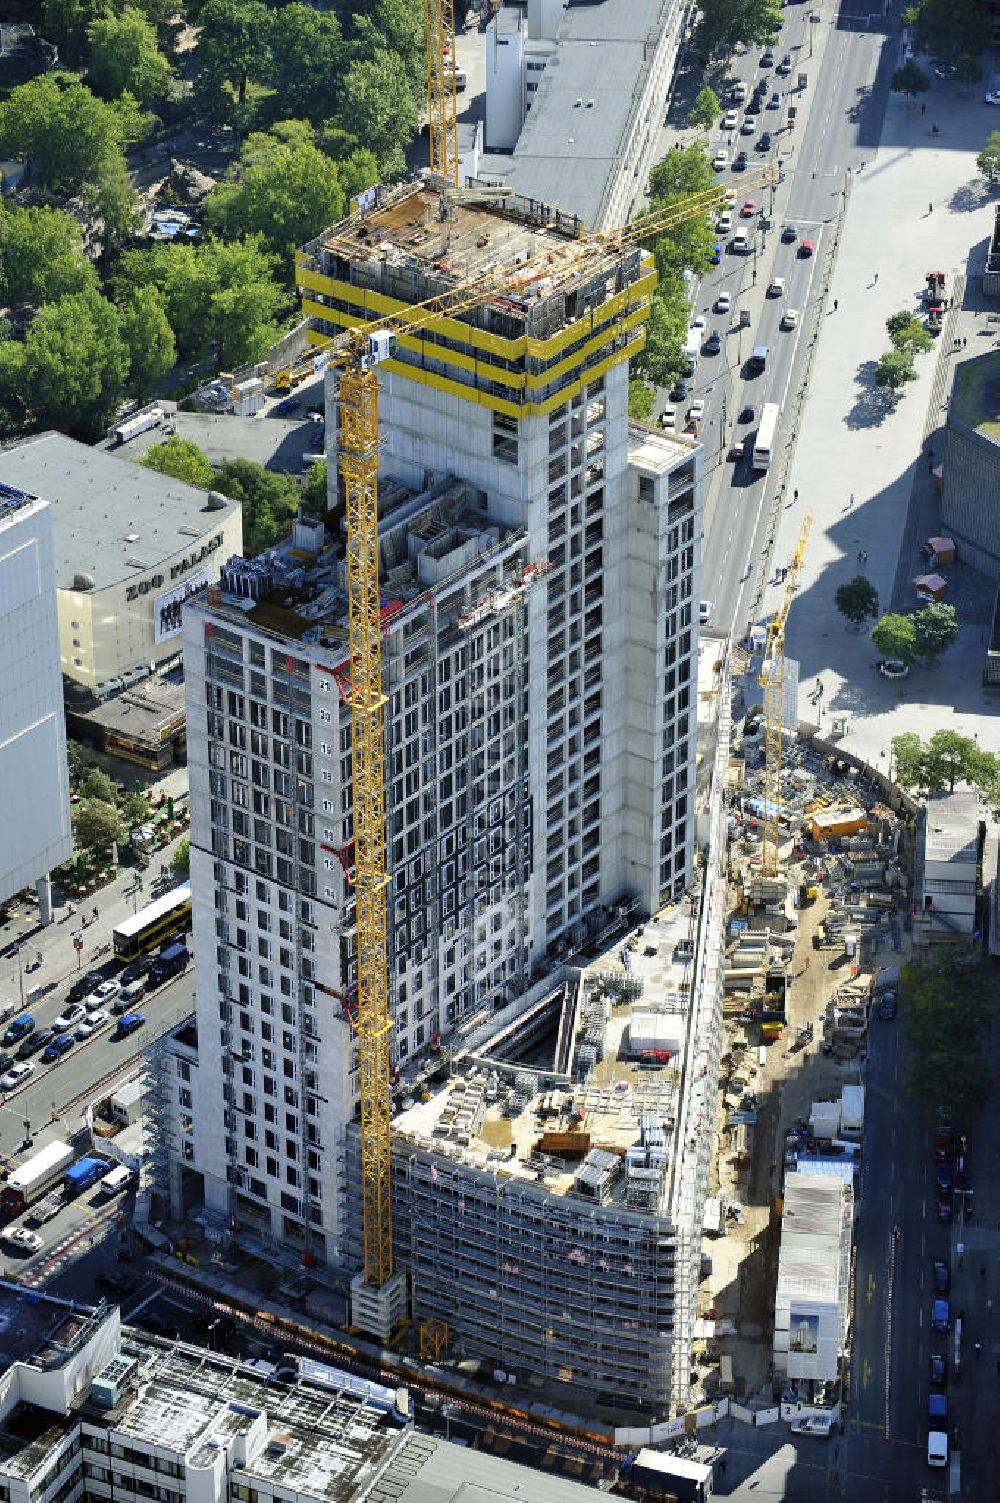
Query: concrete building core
[{"x": 539, "y": 570}]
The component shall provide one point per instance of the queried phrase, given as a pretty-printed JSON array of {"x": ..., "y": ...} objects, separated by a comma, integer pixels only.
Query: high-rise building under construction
[{"x": 539, "y": 566}]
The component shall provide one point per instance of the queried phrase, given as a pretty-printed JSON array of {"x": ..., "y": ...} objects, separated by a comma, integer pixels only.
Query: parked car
[
  {"x": 749, "y": 125},
  {"x": 705, "y": 608},
  {"x": 697, "y": 409},
  {"x": 6, "y": 1060},
  {"x": 724, "y": 223},
  {"x": 939, "y": 1370},
  {"x": 713, "y": 344},
  {"x": 129, "y": 1024},
  {"x": 942, "y": 1276},
  {"x": 887, "y": 1007},
  {"x": 679, "y": 390},
  {"x": 57, "y": 1047},
  {"x": 72, "y": 1014},
  {"x": 940, "y": 1317},
  {"x": 20, "y": 1239},
  {"x": 764, "y": 144},
  {"x": 716, "y": 255},
  {"x": 748, "y": 414},
  {"x": 699, "y": 321},
  {"x": 102, "y": 995},
  {"x": 35, "y": 1041},
  {"x": 738, "y": 92},
  {"x": 721, "y": 159},
  {"x": 93, "y": 1024},
  {"x": 19, "y": 1029},
  {"x": 785, "y": 66},
  {"x": 749, "y": 208},
  {"x": 135, "y": 969},
  {"x": 730, "y": 119},
  {"x": 668, "y": 418},
  {"x": 723, "y": 302},
  {"x": 84, "y": 985},
  {"x": 17, "y": 1074},
  {"x": 767, "y": 59}
]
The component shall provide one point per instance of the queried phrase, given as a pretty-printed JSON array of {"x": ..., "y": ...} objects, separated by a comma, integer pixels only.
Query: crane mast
[
  {"x": 772, "y": 679},
  {"x": 442, "y": 110}
]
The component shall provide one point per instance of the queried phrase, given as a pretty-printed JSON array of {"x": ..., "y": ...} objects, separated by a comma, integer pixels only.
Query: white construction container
[{"x": 852, "y": 1111}]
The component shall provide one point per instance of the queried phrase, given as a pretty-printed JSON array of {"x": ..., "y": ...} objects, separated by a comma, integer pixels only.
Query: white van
[
  {"x": 741, "y": 243},
  {"x": 117, "y": 1180},
  {"x": 937, "y": 1448}
]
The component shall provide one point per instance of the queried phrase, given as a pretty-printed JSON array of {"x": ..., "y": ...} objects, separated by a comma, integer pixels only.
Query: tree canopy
[
  {"x": 857, "y": 600},
  {"x": 41, "y": 255},
  {"x": 910, "y": 79},
  {"x": 950, "y": 29},
  {"x": 907, "y": 333},
  {"x": 125, "y": 56},
  {"x": 988, "y": 160},
  {"x": 641, "y": 397},
  {"x": 285, "y": 193},
  {"x": 895, "y": 636},
  {"x": 726, "y": 23},
  {"x": 894, "y": 370},
  {"x": 306, "y": 62},
  {"x": 97, "y": 824},
  {"x": 945, "y": 759},
  {"x": 71, "y": 136},
  {"x": 946, "y": 1026},
  {"x": 706, "y": 109},
  {"x": 149, "y": 339},
  {"x": 181, "y": 458},
  {"x": 937, "y": 628},
  {"x": 71, "y": 370},
  {"x": 269, "y": 501}
]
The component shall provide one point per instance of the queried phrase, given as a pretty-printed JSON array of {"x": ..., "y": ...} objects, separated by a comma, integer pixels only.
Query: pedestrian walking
[
  {"x": 795, "y": 495},
  {"x": 964, "y": 341},
  {"x": 930, "y": 208},
  {"x": 876, "y": 279},
  {"x": 851, "y": 501},
  {"x": 864, "y": 555},
  {"x": 859, "y": 555},
  {"x": 94, "y": 919},
  {"x": 836, "y": 305}
]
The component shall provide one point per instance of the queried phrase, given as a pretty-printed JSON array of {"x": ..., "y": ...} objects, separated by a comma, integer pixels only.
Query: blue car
[
  {"x": 129, "y": 1023},
  {"x": 716, "y": 256},
  {"x": 19, "y": 1029},
  {"x": 940, "y": 1317},
  {"x": 58, "y": 1047}
]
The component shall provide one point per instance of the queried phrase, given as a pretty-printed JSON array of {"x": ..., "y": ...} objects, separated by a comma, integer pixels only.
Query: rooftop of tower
[{"x": 415, "y": 242}]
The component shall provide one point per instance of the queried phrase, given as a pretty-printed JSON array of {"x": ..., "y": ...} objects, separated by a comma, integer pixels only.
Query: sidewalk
[
  {"x": 118, "y": 901},
  {"x": 846, "y": 447}
]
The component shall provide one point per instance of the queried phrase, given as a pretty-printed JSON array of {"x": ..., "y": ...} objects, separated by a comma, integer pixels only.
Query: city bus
[
  {"x": 153, "y": 924},
  {"x": 764, "y": 441}
]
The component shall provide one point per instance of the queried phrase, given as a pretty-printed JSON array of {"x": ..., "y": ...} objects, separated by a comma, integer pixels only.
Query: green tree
[
  {"x": 234, "y": 46},
  {"x": 181, "y": 458},
  {"x": 688, "y": 245},
  {"x": 946, "y": 1026},
  {"x": 706, "y": 110},
  {"x": 135, "y": 810},
  {"x": 641, "y": 397},
  {"x": 968, "y": 69},
  {"x": 895, "y": 636},
  {"x": 287, "y": 194},
  {"x": 71, "y": 371},
  {"x": 681, "y": 174},
  {"x": 988, "y": 160},
  {"x": 97, "y": 785},
  {"x": 65, "y": 22},
  {"x": 894, "y": 370},
  {"x": 150, "y": 340},
  {"x": 75, "y": 755},
  {"x": 948, "y": 30},
  {"x": 726, "y": 23},
  {"x": 907, "y": 333},
  {"x": 379, "y": 107},
  {"x": 909, "y": 79},
  {"x": 857, "y": 600},
  {"x": 268, "y": 501},
  {"x": 307, "y": 61},
  {"x": 41, "y": 255},
  {"x": 221, "y": 299},
  {"x": 662, "y": 359},
  {"x": 112, "y": 202},
  {"x": 936, "y": 629},
  {"x": 314, "y": 491},
  {"x": 71, "y": 136},
  {"x": 97, "y": 824},
  {"x": 945, "y": 759},
  {"x": 124, "y": 55},
  {"x": 180, "y": 861}
]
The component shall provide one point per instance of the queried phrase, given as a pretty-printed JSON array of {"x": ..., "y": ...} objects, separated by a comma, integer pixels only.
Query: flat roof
[
  {"x": 32, "y": 1326},
  {"x": 111, "y": 519},
  {"x": 568, "y": 152},
  {"x": 429, "y": 1470}
]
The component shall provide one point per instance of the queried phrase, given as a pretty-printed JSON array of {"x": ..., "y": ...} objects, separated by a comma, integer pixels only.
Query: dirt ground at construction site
[{"x": 779, "y": 1081}]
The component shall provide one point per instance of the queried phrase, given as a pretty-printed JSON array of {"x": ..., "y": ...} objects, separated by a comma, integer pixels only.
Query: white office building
[
  {"x": 35, "y": 829},
  {"x": 576, "y": 97}
]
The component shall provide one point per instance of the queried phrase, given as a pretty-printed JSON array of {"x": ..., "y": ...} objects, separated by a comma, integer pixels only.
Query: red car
[
  {"x": 749, "y": 209},
  {"x": 806, "y": 248}
]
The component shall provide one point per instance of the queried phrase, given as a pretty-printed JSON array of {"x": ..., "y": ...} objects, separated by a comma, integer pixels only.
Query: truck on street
[
  {"x": 84, "y": 1173},
  {"x": 141, "y": 423},
  {"x": 170, "y": 962},
  {"x": 35, "y": 1176}
]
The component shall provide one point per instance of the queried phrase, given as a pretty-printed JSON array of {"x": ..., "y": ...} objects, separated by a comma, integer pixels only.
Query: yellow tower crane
[
  {"x": 359, "y": 351},
  {"x": 442, "y": 110},
  {"x": 772, "y": 679}
]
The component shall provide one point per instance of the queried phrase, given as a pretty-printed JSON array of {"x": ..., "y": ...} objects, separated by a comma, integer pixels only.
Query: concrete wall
[{"x": 970, "y": 496}]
